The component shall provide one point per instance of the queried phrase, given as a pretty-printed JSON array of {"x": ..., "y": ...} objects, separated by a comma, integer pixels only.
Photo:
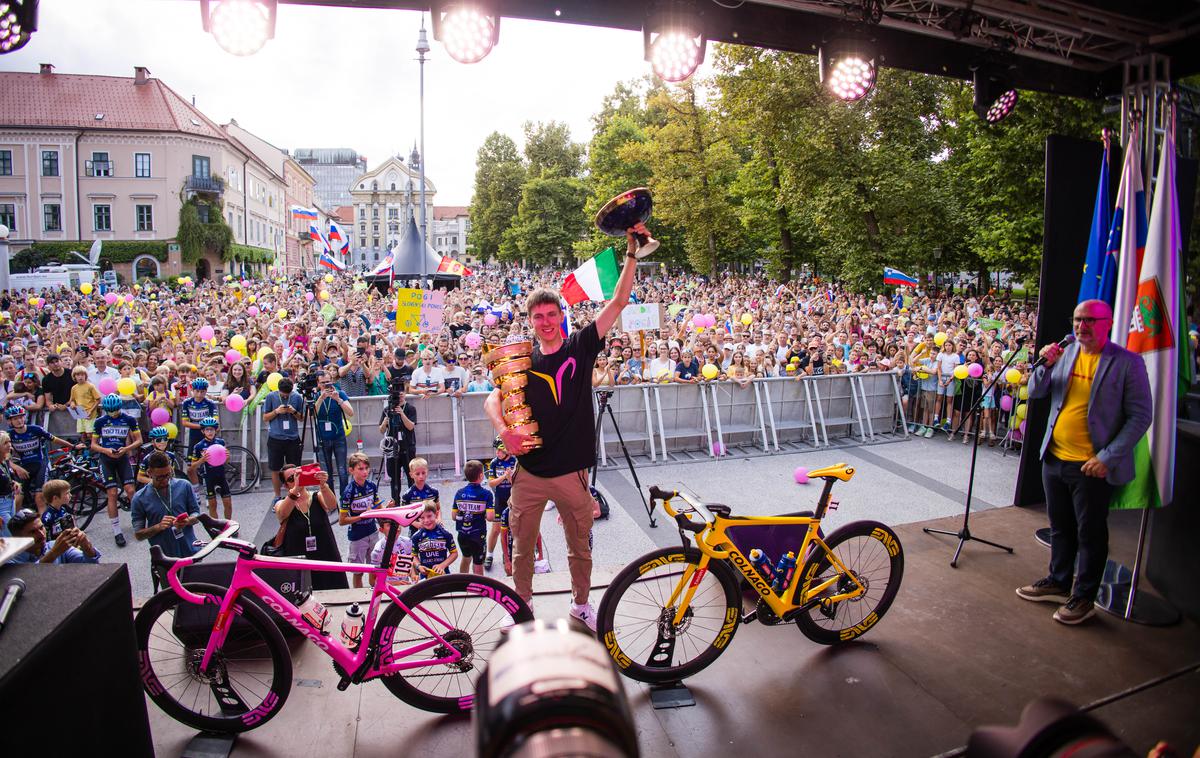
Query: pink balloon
[
  {"x": 205, "y": 333},
  {"x": 800, "y": 475},
  {"x": 41, "y": 302},
  {"x": 160, "y": 416},
  {"x": 490, "y": 319},
  {"x": 1021, "y": 427},
  {"x": 718, "y": 449},
  {"x": 245, "y": 282},
  {"x": 217, "y": 455},
  {"x": 107, "y": 386},
  {"x": 232, "y": 356},
  {"x": 309, "y": 296},
  {"x": 110, "y": 298},
  {"x": 235, "y": 403},
  {"x": 473, "y": 340},
  {"x": 1006, "y": 402},
  {"x": 252, "y": 310},
  {"x": 975, "y": 370},
  {"x": 129, "y": 299}
]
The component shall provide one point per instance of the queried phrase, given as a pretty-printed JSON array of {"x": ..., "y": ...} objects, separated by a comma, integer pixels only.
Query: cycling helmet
[
  {"x": 498, "y": 444},
  {"x": 210, "y": 421},
  {"x": 159, "y": 433},
  {"x": 111, "y": 403},
  {"x": 14, "y": 410},
  {"x": 200, "y": 384}
]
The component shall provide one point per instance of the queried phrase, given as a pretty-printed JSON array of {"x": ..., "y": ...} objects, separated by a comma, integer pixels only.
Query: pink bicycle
[{"x": 213, "y": 658}]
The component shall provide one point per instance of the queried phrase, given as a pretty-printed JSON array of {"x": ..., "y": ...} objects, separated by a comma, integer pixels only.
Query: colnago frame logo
[
  {"x": 298, "y": 624},
  {"x": 760, "y": 585}
]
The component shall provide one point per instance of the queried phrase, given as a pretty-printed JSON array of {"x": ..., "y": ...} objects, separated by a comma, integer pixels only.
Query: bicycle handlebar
[
  {"x": 657, "y": 494},
  {"x": 218, "y": 529}
]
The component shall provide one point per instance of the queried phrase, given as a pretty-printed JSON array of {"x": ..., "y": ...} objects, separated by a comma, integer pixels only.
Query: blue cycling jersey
[
  {"x": 208, "y": 469},
  {"x": 471, "y": 506},
  {"x": 356, "y": 500},
  {"x": 432, "y": 546},
  {"x": 112, "y": 432},
  {"x": 417, "y": 494},
  {"x": 498, "y": 467},
  {"x": 196, "y": 411},
  {"x": 29, "y": 446},
  {"x": 146, "y": 458}
]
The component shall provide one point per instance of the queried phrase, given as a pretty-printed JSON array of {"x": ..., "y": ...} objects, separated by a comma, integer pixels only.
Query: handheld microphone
[
  {"x": 1062, "y": 344},
  {"x": 11, "y": 593}
]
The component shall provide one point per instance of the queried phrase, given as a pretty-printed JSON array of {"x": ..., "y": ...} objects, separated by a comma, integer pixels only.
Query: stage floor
[{"x": 958, "y": 649}]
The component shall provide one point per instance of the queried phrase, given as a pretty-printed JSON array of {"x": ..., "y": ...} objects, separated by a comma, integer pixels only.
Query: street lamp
[{"x": 422, "y": 49}]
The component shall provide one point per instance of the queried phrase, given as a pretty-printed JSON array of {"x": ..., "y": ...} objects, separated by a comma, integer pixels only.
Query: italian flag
[{"x": 594, "y": 280}]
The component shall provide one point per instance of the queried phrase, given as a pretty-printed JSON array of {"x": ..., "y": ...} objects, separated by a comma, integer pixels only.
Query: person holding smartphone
[{"x": 332, "y": 410}]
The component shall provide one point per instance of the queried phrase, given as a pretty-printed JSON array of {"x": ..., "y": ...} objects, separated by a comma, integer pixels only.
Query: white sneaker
[
  {"x": 550, "y": 505},
  {"x": 585, "y": 613}
]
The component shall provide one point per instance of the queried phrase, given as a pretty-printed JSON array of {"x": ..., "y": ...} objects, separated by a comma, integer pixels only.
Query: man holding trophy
[{"x": 542, "y": 410}]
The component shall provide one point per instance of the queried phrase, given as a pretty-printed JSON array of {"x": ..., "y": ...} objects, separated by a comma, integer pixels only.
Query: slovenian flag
[
  {"x": 1098, "y": 278},
  {"x": 898, "y": 278},
  {"x": 1127, "y": 240},
  {"x": 594, "y": 280},
  {"x": 308, "y": 213},
  {"x": 328, "y": 261}
]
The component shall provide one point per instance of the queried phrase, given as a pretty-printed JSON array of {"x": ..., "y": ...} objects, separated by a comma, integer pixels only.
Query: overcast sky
[{"x": 345, "y": 77}]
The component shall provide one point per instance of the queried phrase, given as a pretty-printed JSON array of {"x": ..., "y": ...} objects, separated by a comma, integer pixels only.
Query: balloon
[
  {"x": 245, "y": 282},
  {"x": 251, "y": 299},
  {"x": 747, "y": 319},
  {"x": 137, "y": 288},
  {"x": 709, "y": 371},
  {"x": 127, "y": 386},
  {"x": 800, "y": 475},
  {"x": 160, "y": 416},
  {"x": 699, "y": 330},
  {"x": 281, "y": 313},
  {"x": 1023, "y": 393},
  {"x": 217, "y": 455},
  {"x": 238, "y": 343},
  {"x": 86, "y": 288},
  {"x": 232, "y": 356},
  {"x": 110, "y": 298},
  {"x": 172, "y": 430},
  {"x": 1021, "y": 410},
  {"x": 252, "y": 311},
  {"x": 107, "y": 386},
  {"x": 960, "y": 372},
  {"x": 975, "y": 370},
  {"x": 718, "y": 449},
  {"x": 939, "y": 339},
  {"x": 1006, "y": 402},
  {"x": 473, "y": 340},
  {"x": 329, "y": 278},
  {"x": 228, "y": 278},
  {"x": 273, "y": 380},
  {"x": 205, "y": 333},
  {"x": 235, "y": 403},
  {"x": 309, "y": 296},
  {"x": 41, "y": 301},
  {"x": 264, "y": 350},
  {"x": 153, "y": 295},
  {"x": 1013, "y": 421},
  {"x": 324, "y": 295},
  {"x": 490, "y": 319},
  {"x": 128, "y": 298},
  {"x": 32, "y": 301},
  {"x": 1012, "y": 376}
]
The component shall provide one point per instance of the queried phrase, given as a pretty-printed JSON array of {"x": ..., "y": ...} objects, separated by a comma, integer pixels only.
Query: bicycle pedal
[{"x": 343, "y": 684}]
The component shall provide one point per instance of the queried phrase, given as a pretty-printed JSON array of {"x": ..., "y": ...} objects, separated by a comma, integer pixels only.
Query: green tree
[
  {"x": 549, "y": 221},
  {"x": 549, "y": 150},
  {"x": 499, "y": 174}
]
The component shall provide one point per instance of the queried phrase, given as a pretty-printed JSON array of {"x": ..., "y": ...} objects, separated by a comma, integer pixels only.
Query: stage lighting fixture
[
  {"x": 675, "y": 49},
  {"x": 18, "y": 22},
  {"x": 995, "y": 97},
  {"x": 847, "y": 68},
  {"x": 468, "y": 31},
  {"x": 240, "y": 27}
]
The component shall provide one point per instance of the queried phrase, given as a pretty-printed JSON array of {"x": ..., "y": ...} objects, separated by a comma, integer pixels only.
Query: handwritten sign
[
  {"x": 637, "y": 317},
  {"x": 419, "y": 311},
  {"x": 991, "y": 323}
]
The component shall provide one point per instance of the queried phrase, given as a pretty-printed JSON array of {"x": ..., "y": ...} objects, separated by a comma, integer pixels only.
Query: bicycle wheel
[
  {"x": 250, "y": 677},
  {"x": 635, "y": 622},
  {"x": 871, "y": 551},
  {"x": 84, "y": 504},
  {"x": 241, "y": 470},
  {"x": 469, "y": 612}
]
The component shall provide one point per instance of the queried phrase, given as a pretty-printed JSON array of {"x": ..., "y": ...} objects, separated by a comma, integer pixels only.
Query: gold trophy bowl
[{"x": 508, "y": 364}]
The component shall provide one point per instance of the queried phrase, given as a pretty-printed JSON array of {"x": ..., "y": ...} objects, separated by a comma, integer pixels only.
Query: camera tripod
[{"x": 602, "y": 397}]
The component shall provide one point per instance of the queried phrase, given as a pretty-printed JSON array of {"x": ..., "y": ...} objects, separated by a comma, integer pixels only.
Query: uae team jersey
[
  {"x": 112, "y": 432},
  {"x": 357, "y": 499},
  {"x": 432, "y": 545},
  {"x": 29, "y": 446},
  {"x": 471, "y": 506},
  {"x": 560, "y": 394}
]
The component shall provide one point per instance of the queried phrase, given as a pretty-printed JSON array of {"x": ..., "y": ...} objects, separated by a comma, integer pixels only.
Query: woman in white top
[
  {"x": 428, "y": 378},
  {"x": 656, "y": 364}
]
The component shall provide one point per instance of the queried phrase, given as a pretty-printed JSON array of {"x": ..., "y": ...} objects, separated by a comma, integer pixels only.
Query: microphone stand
[{"x": 964, "y": 533}]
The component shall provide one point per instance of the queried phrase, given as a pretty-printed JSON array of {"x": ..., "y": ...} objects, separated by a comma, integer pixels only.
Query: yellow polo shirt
[{"x": 1071, "y": 441}]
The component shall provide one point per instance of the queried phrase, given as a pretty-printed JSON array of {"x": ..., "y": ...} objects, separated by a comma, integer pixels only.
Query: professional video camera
[{"x": 306, "y": 383}]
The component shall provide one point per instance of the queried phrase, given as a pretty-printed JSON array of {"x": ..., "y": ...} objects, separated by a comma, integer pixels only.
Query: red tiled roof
[
  {"x": 443, "y": 212},
  {"x": 344, "y": 213}
]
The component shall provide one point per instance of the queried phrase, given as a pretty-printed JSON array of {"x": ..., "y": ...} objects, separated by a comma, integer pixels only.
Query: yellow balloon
[
  {"x": 251, "y": 299},
  {"x": 172, "y": 430},
  {"x": 329, "y": 278},
  {"x": 153, "y": 296},
  {"x": 922, "y": 375},
  {"x": 126, "y": 386},
  {"x": 264, "y": 350},
  {"x": 238, "y": 343},
  {"x": 273, "y": 380},
  {"x": 747, "y": 319},
  {"x": 710, "y": 371},
  {"x": 1023, "y": 393},
  {"x": 1022, "y": 409},
  {"x": 137, "y": 288},
  {"x": 939, "y": 339},
  {"x": 86, "y": 288},
  {"x": 228, "y": 278},
  {"x": 699, "y": 330},
  {"x": 1012, "y": 376},
  {"x": 32, "y": 301},
  {"x": 281, "y": 313},
  {"x": 960, "y": 372},
  {"x": 324, "y": 295}
]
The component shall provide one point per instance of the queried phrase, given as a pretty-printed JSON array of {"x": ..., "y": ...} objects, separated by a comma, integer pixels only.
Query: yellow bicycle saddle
[{"x": 838, "y": 470}]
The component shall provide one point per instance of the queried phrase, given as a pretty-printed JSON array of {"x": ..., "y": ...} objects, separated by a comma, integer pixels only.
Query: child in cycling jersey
[
  {"x": 29, "y": 451},
  {"x": 114, "y": 435},
  {"x": 499, "y": 475},
  {"x": 55, "y": 516},
  {"x": 433, "y": 545},
  {"x": 472, "y": 510},
  {"x": 403, "y": 570},
  {"x": 420, "y": 491},
  {"x": 193, "y": 410},
  {"x": 160, "y": 442},
  {"x": 215, "y": 482},
  {"x": 361, "y": 495}
]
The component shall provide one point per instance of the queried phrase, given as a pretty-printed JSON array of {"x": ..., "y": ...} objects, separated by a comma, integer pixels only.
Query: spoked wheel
[
  {"x": 248, "y": 680},
  {"x": 84, "y": 504},
  {"x": 241, "y": 470},
  {"x": 469, "y": 613},
  {"x": 871, "y": 552},
  {"x": 636, "y": 617}
]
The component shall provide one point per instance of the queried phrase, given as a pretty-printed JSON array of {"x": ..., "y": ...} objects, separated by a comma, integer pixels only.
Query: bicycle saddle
[
  {"x": 841, "y": 471},
  {"x": 402, "y": 516}
]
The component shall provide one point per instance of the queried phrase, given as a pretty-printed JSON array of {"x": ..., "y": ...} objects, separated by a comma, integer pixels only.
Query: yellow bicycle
[{"x": 673, "y": 611}]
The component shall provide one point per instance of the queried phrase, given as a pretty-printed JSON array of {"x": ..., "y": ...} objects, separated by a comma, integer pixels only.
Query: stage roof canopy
[{"x": 1063, "y": 46}]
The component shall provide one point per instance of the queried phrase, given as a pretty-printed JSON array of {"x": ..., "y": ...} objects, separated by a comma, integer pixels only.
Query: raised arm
[{"x": 620, "y": 298}]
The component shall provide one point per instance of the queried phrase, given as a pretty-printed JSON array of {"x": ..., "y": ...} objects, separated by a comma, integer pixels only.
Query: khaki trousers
[{"x": 527, "y": 503}]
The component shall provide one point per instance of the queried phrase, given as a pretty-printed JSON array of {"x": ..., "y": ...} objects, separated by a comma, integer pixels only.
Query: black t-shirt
[
  {"x": 406, "y": 438},
  {"x": 560, "y": 394},
  {"x": 58, "y": 387},
  {"x": 688, "y": 370}
]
